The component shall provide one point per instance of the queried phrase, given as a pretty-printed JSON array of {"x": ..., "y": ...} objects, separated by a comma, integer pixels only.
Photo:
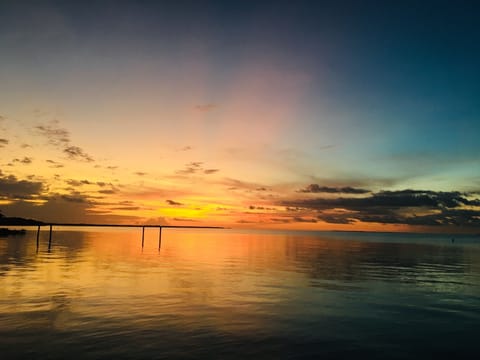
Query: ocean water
[{"x": 228, "y": 294}]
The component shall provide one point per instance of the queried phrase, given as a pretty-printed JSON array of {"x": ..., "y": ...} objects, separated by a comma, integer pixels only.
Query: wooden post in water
[
  {"x": 38, "y": 236},
  {"x": 159, "y": 237},
  {"x": 143, "y": 235},
  {"x": 50, "y": 238}
]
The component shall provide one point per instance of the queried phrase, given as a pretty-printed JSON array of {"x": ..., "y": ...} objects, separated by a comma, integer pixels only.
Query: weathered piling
[
  {"x": 50, "y": 238},
  {"x": 159, "y": 237},
  {"x": 38, "y": 236}
]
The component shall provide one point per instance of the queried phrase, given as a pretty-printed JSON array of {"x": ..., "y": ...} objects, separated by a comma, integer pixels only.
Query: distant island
[{"x": 15, "y": 221}]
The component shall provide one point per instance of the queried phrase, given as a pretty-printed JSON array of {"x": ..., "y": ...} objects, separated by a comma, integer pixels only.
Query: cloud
[
  {"x": 336, "y": 218},
  {"x": 140, "y": 173},
  {"x": 191, "y": 168},
  {"x": 315, "y": 188},
  {"x": 235, "y": 184},
  {"x": 60, "y": 138},
  {"x": 126, "y": 208},
  {"x": 281, "y": 220},
  {"x": 75, "y": 197},
  {"x": 11, "y": 188},
  {"x": 252, "y": 207},
  {"x": 205, "y": 107},
  {"x": 55, "y": 135},
  {"x": 243, "y": 221},
  {"x": 3, "y": 142},
  {"x": 155, "y": 221},
  {"x": 77, "y": 183},
  {"x": 76, "y": 153},
  {"x": 103, "y": 183},
  {"x": 304, "y": 220},
  {"x": 185, "y": 219},
  {"x": 293, "y": 209},
  {"x": 26, "y": 160},
  {"x": 108, "y": 191},
  {"x": 173, "y": 203},
  {"x": 409, "y": 207},
  {"x": 195, "y": 167},
  {"x": 55, "y": 164}
]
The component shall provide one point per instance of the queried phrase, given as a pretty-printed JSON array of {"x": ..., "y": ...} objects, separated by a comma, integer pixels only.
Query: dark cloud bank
[
  {"x": 408, "y": 207},
  {"x": 12, "y": 188}
]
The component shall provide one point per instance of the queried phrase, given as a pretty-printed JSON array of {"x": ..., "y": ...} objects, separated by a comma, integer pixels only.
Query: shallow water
[{"x": 230, "y": 294}]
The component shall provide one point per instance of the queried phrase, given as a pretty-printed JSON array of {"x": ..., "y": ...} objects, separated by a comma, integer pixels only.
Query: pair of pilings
[
  {"x": 159, "y": 236},
  {"x": 49, "y": 237}
]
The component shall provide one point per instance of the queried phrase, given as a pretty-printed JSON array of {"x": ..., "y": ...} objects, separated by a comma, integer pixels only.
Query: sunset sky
[{"x": 355, "y": 115}]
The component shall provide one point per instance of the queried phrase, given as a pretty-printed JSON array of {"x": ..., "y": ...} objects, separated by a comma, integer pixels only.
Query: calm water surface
[{"x": 228, "y": 294}]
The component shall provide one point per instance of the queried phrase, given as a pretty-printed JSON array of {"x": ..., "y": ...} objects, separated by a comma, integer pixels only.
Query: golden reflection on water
[
  {"x": 227, "y": 282},
  {"x": 108, "y": 274}
]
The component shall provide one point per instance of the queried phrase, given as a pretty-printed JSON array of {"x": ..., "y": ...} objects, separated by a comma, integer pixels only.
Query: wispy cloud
[
  {"x": 173, "y": 203},
  {"x": 76, "y": 153},
  {"x": 305, "y": 220},
  {"x": 126, "y": 208},
  {"x": 55, "y": 135},
  {"x": 60, "y": 138},
  {"x": 243, "y": 221},
  {"x": 315, "y": 188},
  {"x": 196, "y": 167},
  {"x": 185, "y": 220},
  {"x": 108, "y": 191},
  {"x": 205, "y": 107},
  {"x": 54, "y": 164},
  {"x": 281, "y": 220},
  {"x": 26, "y": 160},
  {"x": 75, "y": 198},
  {"x": 3, "y": 142},
  {"x": 191, "y": 168},
  {"x": 76, "y": 183},
  {"x": 236, "y": 184}
]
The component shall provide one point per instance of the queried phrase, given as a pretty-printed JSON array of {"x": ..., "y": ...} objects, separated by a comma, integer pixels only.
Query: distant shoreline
[{"x": 17, "y": 221}]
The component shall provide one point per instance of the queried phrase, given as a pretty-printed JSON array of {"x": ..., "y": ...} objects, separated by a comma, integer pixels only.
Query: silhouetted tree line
[{"x": 5, "y": 220}]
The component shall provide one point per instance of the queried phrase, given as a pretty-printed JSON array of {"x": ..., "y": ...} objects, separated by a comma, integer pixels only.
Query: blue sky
[{"x": 279, "y": 94}]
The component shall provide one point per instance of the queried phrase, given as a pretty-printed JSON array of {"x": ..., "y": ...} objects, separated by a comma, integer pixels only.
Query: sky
[{"x": 315, "y": 115}]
